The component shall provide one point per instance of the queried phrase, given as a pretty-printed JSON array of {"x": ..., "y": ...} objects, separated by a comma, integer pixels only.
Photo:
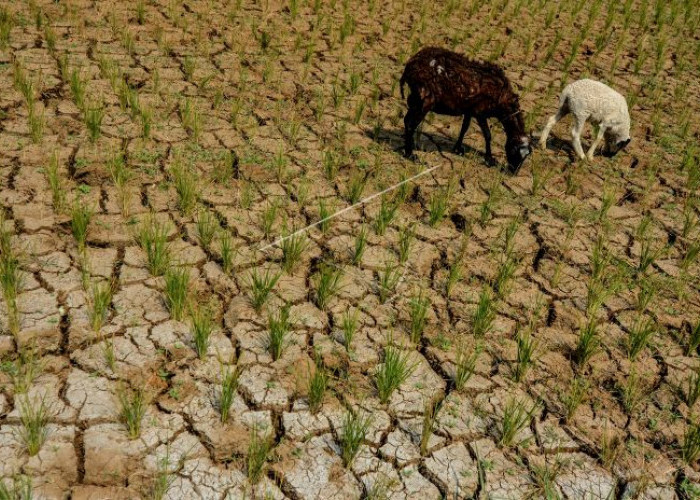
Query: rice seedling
[
  {"x": 348, "y": 324},
  {"x": 110, "y": 357},
  {"x": 77, "y": 88},
  {"x": 327, "y": 283},
  {"x": 189, "y": 65},
  {"x": 330, "y": 163},
  {"x": 692, "y": 392},
  {"x": 268, "y": 218},
  {"x": 691, "y": 254},
  {"x": 393, "y": 372},
  {"x": 632, "y": 392},
  {"x": 352, "y": 435},
  {"x": 389, "y": 278},
  {"x": 439, "y": 205},
  {"x": 177, "y": 283},
  {"x": 454, "y": 276},
  {"x": 81, "y": 215},
  {"x": 387, "y": 212},
  {"x": 648, "y": 255},
  {"x": 152, "y": 236},
  {"x": 690, "y": 447},
  {"x": 278, "y": 327},
  {"x": 260, "y": 287},
  {"x": 164, "y": 477},
  {"x": 202, "y": 328},
  {"x": 36, "y": 123},
  {"x": 293, "y": 248},
  {"x": 23, "y": 370},
  {"x": 141, "y": 12},
  {"x": 484, "y": 314},
  {"x": 639, "y": 336},
  {"x": 406, "y": 236},
  {"x": 207, "y": 227},
  {"x": 34, "y": 417},
  {"x": 527, "y": 347},
  {"x": 610, "y": 448},
  {"x": 317, "y": 385},
  {"x": 430, "y": 418},
  {"x": 324, "y": 213},
  {"x": 506, "y": 271},
  {"x": 228, "y": 386},
  {"x": 693, "y": 339},
  {"x": 146, "y": 119},
  {"x": 99, "y": 302},
  {"x": 645, "y": 294},
  {"x": 516, "y": 416},
  {"x": 588, "y": 343},
  {"x": 360, "y": 245},
  {"x": 488, "y": 205},
  {"x": 418, "y": 308},
  {"x": 577, "y": 394},
  {"x": 227, "y": 251},
  {"x": 11, "y": 279},
  {"x": 191, "y": 118},
  {"x": 259, "y": 449},
  {"x": 93, "y": 117},
  {"x": 545, "y": 476},
  {"x": 133, "y": 405},
  {"x": 21, "y": 487},
  {"x": 6, "y": 23},
  {"x": 185, "y": 179},
  {"x": 355, "y": 187},
  {"x": 57, "y": 185},
  {"x": 465, "y": 364}
]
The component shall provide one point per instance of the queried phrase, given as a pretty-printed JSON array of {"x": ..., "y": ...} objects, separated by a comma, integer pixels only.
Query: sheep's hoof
[
  {"x": 458, "y": 149},
  {"x": 490, "y": 161},
  {"x": 411, "y": 156}
]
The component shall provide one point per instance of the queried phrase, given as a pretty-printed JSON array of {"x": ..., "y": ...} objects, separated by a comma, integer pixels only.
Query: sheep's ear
[{"x": 623, "y": 144}]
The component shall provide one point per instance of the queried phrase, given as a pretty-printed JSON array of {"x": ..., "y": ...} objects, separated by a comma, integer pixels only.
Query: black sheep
[{"x": 448, "y": 83}]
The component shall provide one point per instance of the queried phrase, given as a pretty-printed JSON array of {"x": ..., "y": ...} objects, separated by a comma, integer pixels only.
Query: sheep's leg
[
  {"x": 414, "y": 116},
  {"x": 459, "y": 147},
  {"x": 561, "y": 113},
  {"x": 576, "y": 134},
  {"x": 598, "y": 138},
  {"x": 484, "y": 125}
]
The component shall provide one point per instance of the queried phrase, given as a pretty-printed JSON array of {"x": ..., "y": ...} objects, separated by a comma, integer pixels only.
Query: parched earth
[{"x": 262, "y": 118}]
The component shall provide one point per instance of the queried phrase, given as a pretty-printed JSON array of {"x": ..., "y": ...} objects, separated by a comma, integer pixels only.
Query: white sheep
[{"x": 605, "y": 107}]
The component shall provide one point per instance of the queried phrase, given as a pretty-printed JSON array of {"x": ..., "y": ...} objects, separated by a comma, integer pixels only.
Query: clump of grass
[
  {"x": 516, "y": 416},
  {"x": 639, "y": 336},
  {"x": 93, "y": 117},
  {"x": 430, "y": 416},
  {"x": 610, "y": 447},
  {"x": 100, "y": 299},
  {"x": 389, "y": 278},
  {"x": 164, "y": 478},
  {"x": 355, "y": 187},
  {"x": 465, "y": 364},
  {"x": 318, "y": 382},
  {"x": 21, "y": 488},
  {"x": 11, "y": 279},
  {"x": 260, "y": 287},
  {"x": 191, "y": 118},
  {"x": 77, "y": 88},
  {"x": 133, "y": 407},
  {"x": 324, "y": 212},
  {"x": 692, "y": 392},
  {"x": 23, "y": 370},
  {"x": 268, "y": 218},
  {"x": 360, "y": 245},
  {"x": 327, "y": 283},
  {"x": 293, "y": 248},
  {"x": 202, "y": 327},
  {"x": 185, "y": 179},
  {"x": 418, "y": 314},
  {"x": 121, "y": 175},
  {"x": 484, "y": 314},
  {"x": 588, "y": 342},
  {"x": 406, "y": 237},
  {"x": 527, "y": 346},
  {"x": 454, "y": 276},
  {"x": 632, "y": 392},
  {"x": 227, "y": 391},
  {"x": 353, "y": 434},
  {"x": 348, "y": 324},
  {"x": 207, "y": 227},
  {"x": 34, "y": 417},
  {"x": 278, "y": 327},
  {"x": 693, "y": 339},
  {"x": 153, "y": 238},
  {"x": 58, "y": 193},
  {"x": 578, "y": 391},
  {"x": 506, "y": 271},
  {"x": 259, "y": 450},
  {"x": 36, "y": 123},
  {"x": 393, "y": 372},
  {"x": 386, "y": 214},
  {"x": 227, "y": 251},
  {"x": 690, "y": 447},
  {"x": 439, "y": 205},
  {"x": 81, "y": 215},
  {"x": 177, "y": 284}
]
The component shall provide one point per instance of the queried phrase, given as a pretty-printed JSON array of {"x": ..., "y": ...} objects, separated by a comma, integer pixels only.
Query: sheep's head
[
  {"x": 616, "y": 139},
  {"x": 517, "y": 150}
]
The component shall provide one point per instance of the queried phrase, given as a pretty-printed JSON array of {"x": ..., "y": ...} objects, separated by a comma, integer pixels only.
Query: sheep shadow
[
  {"x": 558, "y": 145},
  {"x": 393, "y": 139}
]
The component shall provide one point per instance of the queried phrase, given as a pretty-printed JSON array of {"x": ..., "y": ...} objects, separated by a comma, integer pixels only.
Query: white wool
[{"x": 592, "y": 100}]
